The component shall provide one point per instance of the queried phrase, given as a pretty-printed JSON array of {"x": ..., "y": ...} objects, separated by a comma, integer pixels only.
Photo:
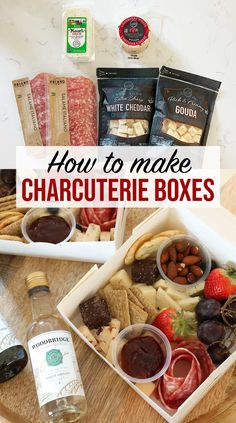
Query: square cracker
[
  {"x": 134, "y": 299},
  {"x": 119, "y": 306},
  {"x": 137, "y": 314},
  {"x": 151, "y": 311}
]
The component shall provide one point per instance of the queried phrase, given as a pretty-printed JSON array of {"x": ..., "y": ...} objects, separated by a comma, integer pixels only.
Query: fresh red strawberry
[
  {"x": 219, "y": 285},
  {"x": 173, "y": 324}
]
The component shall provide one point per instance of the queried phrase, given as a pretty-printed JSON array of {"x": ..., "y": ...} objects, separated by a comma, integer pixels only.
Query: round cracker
[
  {"x": 8, "y": 220},
  {"x": 8, "y": 214},
  {"x": 149, "y": 247},
  {"x": 7, "y": 198},
  {"x": 10, "y": 238},
  {"x": 130, "y": 255}
]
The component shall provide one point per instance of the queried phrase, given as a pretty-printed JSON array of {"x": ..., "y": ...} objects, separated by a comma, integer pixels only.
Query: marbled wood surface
[{"x": 110, "y": 400}]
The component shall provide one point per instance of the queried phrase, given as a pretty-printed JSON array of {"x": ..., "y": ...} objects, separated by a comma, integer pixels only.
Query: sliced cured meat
[
  {"x": 105, "y": 217},
  {"x": 82, "y": 108},
  {"x": 199, "y": 350},
  {"x": 40, "y": 96},
  {"x": 172, "y": 389}
]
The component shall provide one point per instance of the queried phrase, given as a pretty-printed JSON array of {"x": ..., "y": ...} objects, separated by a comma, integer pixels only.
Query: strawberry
[
  {"x": 173, "y": 324},
  {"x": 218, "y": 284}
]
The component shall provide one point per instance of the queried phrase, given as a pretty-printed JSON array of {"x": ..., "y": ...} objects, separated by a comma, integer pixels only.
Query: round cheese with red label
[{"x": 134, "y": 34}]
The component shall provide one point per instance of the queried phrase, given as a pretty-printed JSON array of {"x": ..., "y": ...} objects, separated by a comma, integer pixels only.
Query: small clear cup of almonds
[{"x": 183, "y": 261}]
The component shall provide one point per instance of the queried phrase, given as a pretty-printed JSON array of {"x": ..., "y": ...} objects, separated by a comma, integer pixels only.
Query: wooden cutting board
[{"x": 110, "y": 400}]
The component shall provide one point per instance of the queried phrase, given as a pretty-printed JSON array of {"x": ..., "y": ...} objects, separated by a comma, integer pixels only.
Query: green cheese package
[
  {"x": 183, "y": 108},
  {"x": 126, "y": 108}
]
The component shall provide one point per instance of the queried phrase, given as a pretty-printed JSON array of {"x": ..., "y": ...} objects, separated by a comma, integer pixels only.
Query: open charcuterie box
[{"x": 213, "y": 228}]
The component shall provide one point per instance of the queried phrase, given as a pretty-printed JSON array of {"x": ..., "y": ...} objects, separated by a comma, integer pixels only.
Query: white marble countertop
[{"x": 198, "y": 36}]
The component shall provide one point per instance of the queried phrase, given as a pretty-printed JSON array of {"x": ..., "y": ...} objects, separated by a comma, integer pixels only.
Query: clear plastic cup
[
  {"x": 134, "y": 331},
  {"x": 34, "y": 214},
  {"x": 206, "y": 258}
]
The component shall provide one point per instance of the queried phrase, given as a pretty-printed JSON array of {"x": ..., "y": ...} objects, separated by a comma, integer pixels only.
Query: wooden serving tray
[{"x": 110, "y": 400}]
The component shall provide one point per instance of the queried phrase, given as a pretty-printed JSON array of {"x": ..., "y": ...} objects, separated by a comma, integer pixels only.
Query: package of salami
[
  {"x": 183, "y": 108},
  {"x": 126, "y": 108}
]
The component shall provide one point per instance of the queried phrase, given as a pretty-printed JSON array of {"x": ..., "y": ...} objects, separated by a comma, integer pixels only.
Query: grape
[
  {"x": 210, "y": 331},
  {"x": 218, "y": 352},
  {"x": 208, "y": 309}
]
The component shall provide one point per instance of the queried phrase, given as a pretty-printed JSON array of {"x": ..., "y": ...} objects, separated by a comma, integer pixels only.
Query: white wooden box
[
  {"x": 216, "y": 228},
  {"x": 93, "y": 251}
]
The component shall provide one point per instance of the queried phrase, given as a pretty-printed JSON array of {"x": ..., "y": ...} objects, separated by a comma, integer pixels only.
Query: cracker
[
  {"x": 169, "y": 233},
  {"x": 149, "y": 247},
  {"x": 10, "y": 238},
  {"x": 133, "y": 298},
  {"x": 151, "y": 311},
  {"x": 130, "y": 255},
  {"x": 137, "y": 314},
  {"x": 8, "y": 214},
  {"x": 7, "y": 198},
  {"x": 8, "y": 206},
  {"x": 8, "y": 220},
  {"x": 119, "y": 306},
  {"x": 104, "y": 291},
  {"x": 12, "y": 229}
]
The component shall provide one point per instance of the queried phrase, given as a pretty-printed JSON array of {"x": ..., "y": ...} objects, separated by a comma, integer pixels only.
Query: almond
[
  {"x": 181, "y": 280},
  {"x": 187, "y": 251},
  {"x": 180, "y": 257},
  {"x": 181, "y": 246},
  {"x": 195, "y": 250},
  {"x": 164, "y": 257},
  {"x": 184, "y": 272},
  {"x": 171, "y": 270},
  {"x": 172, "y": 253},
  {"x": 196, "y": 271},
  {"x": 164, "y": 268},
  {"x": 189, "y": 260},
  {"x": 191, "y": 278}
]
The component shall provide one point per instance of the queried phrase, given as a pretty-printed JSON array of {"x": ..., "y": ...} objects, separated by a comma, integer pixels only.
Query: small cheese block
[
  {"x": 121, "y": 279},
  {"x": 78, "y": 236},
  {"x": 114, "y": 123},
  {"x": 123, "y": 129},
  {"x": 112, "y": 234},
  {"x": 187, "y": 137},
  {"x": 171, "y": 132},
  {"x": 146, "y": 388},
  {"x": 197, "y": 138},
  {"x": 130, "y": 131},
  {"x": 172, "y": 125},
  {"x": 107, "y": 334},
  {"x": 196, "y": 290},
  {"x": 88, "y": 335},
  {"x": 149, "y": 293},
  {"x": 176, "y": 295},
  {"x": 138, "y": 128},
  {"x": 105, "y": 236},
  {"x": 163, "y": 300},
  {"x": 189, "y": 304},
  {"x": 93, "y": 232},
  {"x": 182, "y": 129},
  {"x": 114, "y": 131},
  {"x": 160, "y": 284}
]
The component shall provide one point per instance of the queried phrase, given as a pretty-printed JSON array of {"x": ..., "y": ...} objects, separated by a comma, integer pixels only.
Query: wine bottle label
[
  {"x": 55, "y": 367},
  {"x": 7, "y": 337}
]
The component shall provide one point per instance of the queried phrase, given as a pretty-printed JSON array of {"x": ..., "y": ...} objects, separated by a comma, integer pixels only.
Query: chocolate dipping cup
[{"x": 36, "y": 213}]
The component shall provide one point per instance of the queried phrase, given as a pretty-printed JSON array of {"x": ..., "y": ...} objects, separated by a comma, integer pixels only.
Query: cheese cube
[
  {"x": 171, "y": 132},
  {"x": 107, "y": 334},
  {"x": 114, "y": 131},
  {"x": 196, "y": 290},
  {"x": 182, "y": 129},
  {"x": 160, "y": 284},
  {"x": 187, "y": 138},
  {"x": 189, "y": 304},
  {"x": 88, "y": 335},
  {"x": 93, "y": 232},
  {"x": 163, "y": 300},
  {"x": 197, "y": 138},
  {"x": 176, "y": 295},
  {"x": 122, "y": 121},
  {"x": 138, "y": 128},
  {"x": 172, "y": 125},
  {"x": 146, "y": 388},
  {"x": 113, "y": 123},
  {"x": 105, "y": 236},
  {"x": 121, "y": 279},
  {"x": 112, "y": 234},
  {"x": 193, "y": 131},
  {"x": 123, "y": 129},
  {"x": 130, "y": 131}
]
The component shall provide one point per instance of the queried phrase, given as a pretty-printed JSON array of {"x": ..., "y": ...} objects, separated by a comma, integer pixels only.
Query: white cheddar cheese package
[{"x": 78, "y": 32}]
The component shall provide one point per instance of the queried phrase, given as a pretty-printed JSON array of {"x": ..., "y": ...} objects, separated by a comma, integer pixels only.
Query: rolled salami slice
[
  {"x": 199, "y": 350},
  {"x": 173, "y": 390},
  {"x": 104, "y": 217}
]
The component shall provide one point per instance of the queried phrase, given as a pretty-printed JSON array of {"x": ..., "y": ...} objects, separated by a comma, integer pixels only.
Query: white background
[{"x": 194, "y": 35}]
